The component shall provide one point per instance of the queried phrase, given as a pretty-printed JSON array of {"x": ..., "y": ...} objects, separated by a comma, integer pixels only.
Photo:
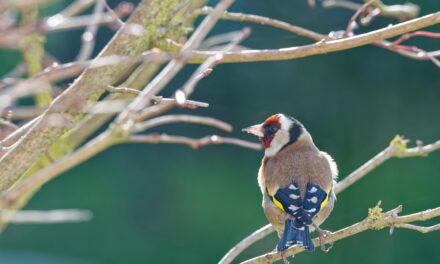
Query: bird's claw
[{"x": 322, "y": 236}]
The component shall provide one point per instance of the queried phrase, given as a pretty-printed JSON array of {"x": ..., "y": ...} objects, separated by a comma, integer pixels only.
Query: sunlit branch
[
  {"x": 397, "y": 148},
  {"x": 325, "y": 46},
  {"x": 375, "y": 221},
  {"x": 169, "y": 119},
  {"x": 191, "y": 142}
]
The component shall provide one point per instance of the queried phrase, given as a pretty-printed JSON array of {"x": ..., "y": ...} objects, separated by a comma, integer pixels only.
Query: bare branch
[
  {"x": 76, "y": 7},
  {"x": 168, "y": 119},
  {"x": 402, "y": 12},
  {"x": 407, "y": 36},
  {"x": 88, "y": 37},
  {"x": 245, "y": 243},
  {"x": 241, "y": 17},
  {"x": 326, "y": 46},
  {"x": 45, "y": 217},
  {"x": 193, "y": 143},
  {"x": 189, "y": 104},
  {"x": 352, "y": 24},
  {"x": 421, "y": 229},
  {"x": 125, "y": 90},
  {"x": 397, "y": 148},
  {"x": 372, "y": 222},
  {"x": 205, "y": 67},
  {"x": 70, "y": 105}
]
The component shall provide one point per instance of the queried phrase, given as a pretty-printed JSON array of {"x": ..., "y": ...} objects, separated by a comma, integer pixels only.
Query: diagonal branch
[
  {"x": 68, "y": 108},
  {"x": 372, "y": 222},
  {"x": 397, "y": 148}
]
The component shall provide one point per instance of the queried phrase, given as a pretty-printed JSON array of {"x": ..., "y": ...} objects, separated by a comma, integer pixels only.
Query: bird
[{"x": 296, "y": 180}]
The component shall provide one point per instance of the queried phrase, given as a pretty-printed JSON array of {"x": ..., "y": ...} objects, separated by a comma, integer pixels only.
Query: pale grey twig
[
  {"x": 89, "y": 36},
  {"x": 193, "y": 143},
  {"x": 45, "y": 217},
  {"x": 169, "y": 119},
  {"x": 76, "y": 7}
]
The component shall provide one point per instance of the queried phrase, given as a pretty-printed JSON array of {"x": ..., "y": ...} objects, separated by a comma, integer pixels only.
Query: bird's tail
[{"x": 295, "y": 233}]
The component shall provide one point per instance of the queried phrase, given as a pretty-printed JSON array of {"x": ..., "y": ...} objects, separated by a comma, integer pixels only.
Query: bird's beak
[{"x": 256, "y": 130}]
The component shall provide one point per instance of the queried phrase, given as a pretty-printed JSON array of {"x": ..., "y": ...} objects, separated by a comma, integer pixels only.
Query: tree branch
[
  {"x": 375, "y": 221},
  {"x": 191, "y": 142},
  {"x": 397, "y": 148},
  {"x": 168, "y": 119},
  {"x": 68, "y": 107},
  {"x": 45, "y": 217},
  {"x": 323, "y": 47}
]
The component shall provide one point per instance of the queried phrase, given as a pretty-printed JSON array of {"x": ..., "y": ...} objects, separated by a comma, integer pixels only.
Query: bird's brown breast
[{"x": 296, "y": 163}]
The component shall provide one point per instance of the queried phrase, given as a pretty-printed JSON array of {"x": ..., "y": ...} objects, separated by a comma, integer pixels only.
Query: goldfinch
[{"x": 296, "y": 180}]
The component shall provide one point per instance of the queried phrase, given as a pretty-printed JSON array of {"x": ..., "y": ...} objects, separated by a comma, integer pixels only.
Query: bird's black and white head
[{"x": 277, "y": 132}]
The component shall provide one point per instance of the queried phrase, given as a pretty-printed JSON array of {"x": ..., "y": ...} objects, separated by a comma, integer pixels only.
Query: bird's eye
[{"x": 271, "y": 129}]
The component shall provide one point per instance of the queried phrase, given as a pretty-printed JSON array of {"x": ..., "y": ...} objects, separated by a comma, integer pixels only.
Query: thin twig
[
  {"x": 402, "y": 11},
  {"x": 352, "y": 24},
  {"x": 45, "y": 217},
  {"x": 88, "y": 37},
  {"x": 190, "y": 104},
  {"x": 193, "y": 143},
  {"x": 421, "y": 229},
  {"x": 241, "y": 17},
  {"x": 76, "y": 7},
  {"x": 169, "y": 119},
  {"x": 182, "y": 94},
  {"x": 397, "y": 148},
  {"x": 427, "y": 34},
  {"x": 206, "y": 67}
]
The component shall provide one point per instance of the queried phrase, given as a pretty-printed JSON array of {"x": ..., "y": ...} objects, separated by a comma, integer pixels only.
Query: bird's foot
[{"x": 323, "y": 234}]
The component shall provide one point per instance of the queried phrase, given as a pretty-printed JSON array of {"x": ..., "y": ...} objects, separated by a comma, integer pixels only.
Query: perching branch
[
  {"x": 376, "y": 220},
  {"x": 397, "y": 148}
]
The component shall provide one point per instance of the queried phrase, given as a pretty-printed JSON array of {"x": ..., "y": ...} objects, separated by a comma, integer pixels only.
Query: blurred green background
[{"x": 172, "y": 204}]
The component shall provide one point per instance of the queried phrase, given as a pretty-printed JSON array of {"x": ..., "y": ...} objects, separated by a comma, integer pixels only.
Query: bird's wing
[{"x": 289, "y": 200}]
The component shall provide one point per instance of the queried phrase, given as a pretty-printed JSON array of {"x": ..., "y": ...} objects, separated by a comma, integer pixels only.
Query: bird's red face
[{"x": 266, "y": 131}]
